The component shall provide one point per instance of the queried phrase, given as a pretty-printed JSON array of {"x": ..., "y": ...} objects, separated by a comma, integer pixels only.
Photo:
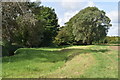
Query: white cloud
[
  {"x": 72, "y": 7},
  {"x": 113, "y": 31},
  {"x": 68, "y": 5},
  {"x": 60, "y": 22},
  {"x": 69, "y": 15},
  {"x": 113, "y": 15},
  {"x": 91, "y": 4},
  {"x": 72, "y": 4},
  {"x": 66, "y": 17}
]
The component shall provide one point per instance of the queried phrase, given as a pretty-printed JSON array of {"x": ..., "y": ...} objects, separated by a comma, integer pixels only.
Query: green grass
[{"x": 94, "y": 61}]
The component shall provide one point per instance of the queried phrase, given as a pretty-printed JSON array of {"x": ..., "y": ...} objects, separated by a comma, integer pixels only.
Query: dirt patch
[{"x": 115, "y": 47}]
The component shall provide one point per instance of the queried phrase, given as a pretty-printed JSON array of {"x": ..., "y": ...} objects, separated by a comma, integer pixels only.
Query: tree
[
  {"x": 30, "y": 31},
  {"x": 64, "y": 36},
  {"x": 10, "y": 12},
  {"x": 89, "y": 25},
  {"x": 51, "y": 23},
  {"x": 20, "y": 26}
]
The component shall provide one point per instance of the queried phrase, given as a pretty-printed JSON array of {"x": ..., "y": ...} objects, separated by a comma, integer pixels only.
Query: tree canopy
[
  {"x": 51, "y": 23},
  {"x": 89, "y": 25},
  {"x": 28, "y": 24}
]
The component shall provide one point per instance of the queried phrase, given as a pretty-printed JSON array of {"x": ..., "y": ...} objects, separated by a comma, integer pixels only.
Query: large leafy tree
[
  {"x": 49, "y": 16},
  {"x": 20, "y": 25},
  {"x": 89, "y": 25},
  {"x": 10, "y": 11},
  {"x": 30, "y": 31}
]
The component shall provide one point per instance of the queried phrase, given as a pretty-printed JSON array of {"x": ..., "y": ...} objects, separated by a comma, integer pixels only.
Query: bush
[
  {"x": 113, "y": 40},
  {"x": 8, "y": 49},
  {"x": 5, "y": 51}
]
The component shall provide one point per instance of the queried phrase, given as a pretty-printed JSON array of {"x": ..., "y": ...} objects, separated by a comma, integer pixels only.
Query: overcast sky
[{"x": 65, "y": 9}]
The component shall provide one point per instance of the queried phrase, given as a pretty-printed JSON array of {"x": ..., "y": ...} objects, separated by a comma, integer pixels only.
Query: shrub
[{"x": 8, "y": 49}]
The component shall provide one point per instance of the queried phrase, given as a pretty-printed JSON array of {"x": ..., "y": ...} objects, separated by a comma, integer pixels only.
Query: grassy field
[{"x": 94, "y": 61}]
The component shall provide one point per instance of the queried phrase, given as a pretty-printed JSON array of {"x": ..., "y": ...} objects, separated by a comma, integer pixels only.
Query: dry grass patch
[{"x": 75, "y": 67}]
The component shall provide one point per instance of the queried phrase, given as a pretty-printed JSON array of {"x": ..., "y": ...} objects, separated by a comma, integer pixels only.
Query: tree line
[
  {"x": 111, "y": 40},
  {"x": 27, "y": 24}
]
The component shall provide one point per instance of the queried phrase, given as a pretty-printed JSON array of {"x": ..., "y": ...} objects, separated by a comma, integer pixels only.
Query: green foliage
[
  {"x": 89, "y": 25},
  {"x": 109, "y": 40},
  {"x": 8, "y": 49},
  {"x": 5, "y": 48},
  {"x": 10, "y": 12},
  {"x": 113, "y": 39},
  {"x": 64, "y": 36},
  {"x": 30, "y": 31},
  {"x": 5, "y": 51},
  {"x": 29, "y": 24},
  {"x": 51, "y": 23},
  {"x": 20, "y": 26}
]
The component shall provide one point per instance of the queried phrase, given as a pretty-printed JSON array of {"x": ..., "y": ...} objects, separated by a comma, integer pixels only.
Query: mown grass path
[{"x": 94, "y": 61}]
